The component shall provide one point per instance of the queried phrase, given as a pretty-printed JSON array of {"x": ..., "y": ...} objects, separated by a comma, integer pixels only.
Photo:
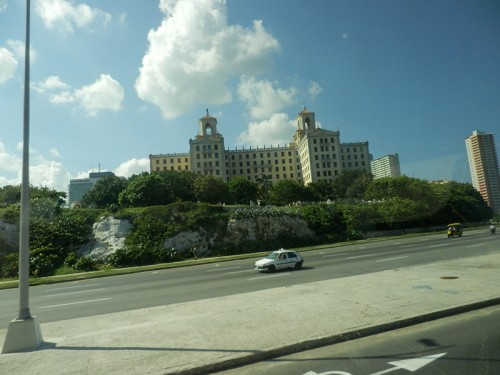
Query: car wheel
[
  {"x": 298, "y": 265},
  {"x": 271, "y": 268}
]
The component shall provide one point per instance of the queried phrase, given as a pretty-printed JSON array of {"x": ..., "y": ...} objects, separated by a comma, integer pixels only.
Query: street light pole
[{"x": 24, "y": 332}]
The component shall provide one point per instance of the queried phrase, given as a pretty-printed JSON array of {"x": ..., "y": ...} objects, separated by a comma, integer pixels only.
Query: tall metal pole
[
  {"x": 24, "y": 261},
  {"x": 24, "y": 332}
]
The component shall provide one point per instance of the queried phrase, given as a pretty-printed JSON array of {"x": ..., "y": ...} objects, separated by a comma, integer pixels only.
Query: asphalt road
[
  {"x": 466, "y": 344},
  {"x": 154, "y": 288}
]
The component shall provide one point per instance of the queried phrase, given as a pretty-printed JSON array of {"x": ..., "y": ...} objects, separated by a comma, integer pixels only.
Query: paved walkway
[{"x": 208, "y": 335}]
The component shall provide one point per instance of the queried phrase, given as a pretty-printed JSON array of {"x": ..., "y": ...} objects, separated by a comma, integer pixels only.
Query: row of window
[
  {"x": 323, "y": 140},
  {"x": 207, "y": 147},
  {"x": 172, "y": 160},
  {"x": 261, "y": 155}
]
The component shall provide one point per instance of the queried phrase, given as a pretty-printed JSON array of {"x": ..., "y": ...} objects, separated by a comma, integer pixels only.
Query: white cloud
[
  {"x": 314, "y": 89},
  {"x": 3, "y": 5},
  {"x": 19, "y": 48},
  {"x": 55, "y": 153},
  {"x": 104, "y": 94},
  {"x": 8, "y": 162},
  {"x": 194, "y": 53},
  {"x": 277, "y": 130},
  {"x": 51, "y": 174},
  {"x": 262, "y": 98},
  {"x": 8, "y": 65},
  {"x": 64, "y": 15},
  {"x": 50, "y": 84},
  {"x": 132, "y": 166},
  {"x": 43, "y": 171}
]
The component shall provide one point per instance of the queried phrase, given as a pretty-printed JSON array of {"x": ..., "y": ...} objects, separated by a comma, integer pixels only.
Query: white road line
[
  {"x": 334, "y": 255},
  {"x": 78, "y": 292},
  {"x": 75, "y": 303},
  {"x": 387, "y": 259},
  {"x": 362, "y": 256},
  {"x": 479, "y": 244},
  {"x": 230, "y": 273},
  {"x": 265, "y": 277},
  {"x": 72, "y": 287},
  {"x": 443, "y": 244},
  {"x": 223, "y": 269}
]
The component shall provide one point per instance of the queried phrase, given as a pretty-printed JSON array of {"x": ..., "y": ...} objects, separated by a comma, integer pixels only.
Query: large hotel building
[
  {"x": 314, "y": 154},
  {"x": 483, "y": 163}
]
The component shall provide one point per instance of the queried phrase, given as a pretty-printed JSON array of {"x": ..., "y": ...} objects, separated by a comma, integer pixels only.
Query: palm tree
[{"x": 265, "y": 184}]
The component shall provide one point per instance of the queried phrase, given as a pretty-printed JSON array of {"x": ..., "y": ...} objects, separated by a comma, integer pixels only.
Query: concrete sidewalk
[{"x": 209, "y": 335}]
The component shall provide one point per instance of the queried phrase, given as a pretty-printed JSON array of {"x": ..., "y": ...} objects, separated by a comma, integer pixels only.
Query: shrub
[
  {"x": 9, "y": 265},
  {"x": 85, "y": 264}
]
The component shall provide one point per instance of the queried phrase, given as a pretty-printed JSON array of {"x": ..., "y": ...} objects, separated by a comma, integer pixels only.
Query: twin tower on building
[{"x": 314, "y": 154}]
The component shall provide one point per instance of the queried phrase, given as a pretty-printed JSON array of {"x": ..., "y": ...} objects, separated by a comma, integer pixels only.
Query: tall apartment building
[
  {"x": 79, "y": 186},
  {"x": 386, "y": 166},
  {"x": 314, "y": 154},
  {"x": 483, "y": 163}
]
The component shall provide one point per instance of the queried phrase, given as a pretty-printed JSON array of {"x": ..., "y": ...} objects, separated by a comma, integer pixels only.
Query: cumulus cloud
[
  {"x": 262, "y": 97},
  {"x": 277, "y": 130},
  {"x": 18, "y": 48},
  {"x": 104, "y": 94},
  {"x": 8, "y": 65},
  {"x": 194, "y": 53},
  {"x": 8, "y": 162},
  {"x": 43, "y": 170},
  {"x": 314, "y": 89},
  {"x": 132, "y": 166},
  {"x": 50, "y": 84},
  {"x": 65, "y": 15}
]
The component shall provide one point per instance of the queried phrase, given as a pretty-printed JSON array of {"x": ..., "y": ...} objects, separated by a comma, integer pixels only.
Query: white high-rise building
[
  {"x": 386, "y": 166},
  {"x": 483, "y": 163}
]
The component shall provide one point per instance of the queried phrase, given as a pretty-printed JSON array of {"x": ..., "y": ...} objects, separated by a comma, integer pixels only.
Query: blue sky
[{"x": 114, "y": 81}]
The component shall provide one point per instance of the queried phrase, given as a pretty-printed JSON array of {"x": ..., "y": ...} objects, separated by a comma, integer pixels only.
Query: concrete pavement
[{"x": 209, "y": 335}]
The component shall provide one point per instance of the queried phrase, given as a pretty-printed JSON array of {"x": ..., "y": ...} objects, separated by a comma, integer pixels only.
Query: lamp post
[{"x": 24, "y": 331}]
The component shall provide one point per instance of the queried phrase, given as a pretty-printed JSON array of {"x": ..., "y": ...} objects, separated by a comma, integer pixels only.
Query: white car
[{"x": 280, "y": 259}]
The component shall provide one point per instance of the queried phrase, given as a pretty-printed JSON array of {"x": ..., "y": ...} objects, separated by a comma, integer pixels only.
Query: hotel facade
[{"x": 314, "y": 154}]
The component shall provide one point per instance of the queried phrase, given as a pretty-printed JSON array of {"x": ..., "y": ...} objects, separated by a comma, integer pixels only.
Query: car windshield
[{"x": 274, "y": 255}]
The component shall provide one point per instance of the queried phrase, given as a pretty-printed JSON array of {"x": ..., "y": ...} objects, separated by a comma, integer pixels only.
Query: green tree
[
  {"x": 243, "y": 190},
  {"x": 405, "y": 187},
  {"x": 181, "y": 184},
  {"x": 105, "y": 192},
  {"x": 264, "y": 186},
  {"x": 146, "y": 190},
  {"x": 462, "y": 203},
  {"x": 288, "y": 191},
  {"x": 322, "y": 191},
  {"x": 352, "y": 184},
  {"x": 210, "y": 189},
  {"x": 10, "y": 194}
]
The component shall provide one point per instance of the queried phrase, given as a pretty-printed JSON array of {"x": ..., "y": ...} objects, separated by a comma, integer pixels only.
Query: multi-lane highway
[
  {"x": 465, "y": 344},
  {"x": 146, "y": 289}
]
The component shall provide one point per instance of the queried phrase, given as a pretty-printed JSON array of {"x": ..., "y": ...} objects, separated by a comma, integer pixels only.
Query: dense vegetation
[{"x": 159, "y": 205}]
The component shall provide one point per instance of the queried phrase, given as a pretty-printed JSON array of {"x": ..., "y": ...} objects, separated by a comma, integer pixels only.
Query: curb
[{"x": 334, "y": 339}]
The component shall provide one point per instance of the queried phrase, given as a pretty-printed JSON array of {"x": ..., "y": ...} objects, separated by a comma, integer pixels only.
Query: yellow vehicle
[{"x": 455, "y": 230}]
